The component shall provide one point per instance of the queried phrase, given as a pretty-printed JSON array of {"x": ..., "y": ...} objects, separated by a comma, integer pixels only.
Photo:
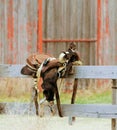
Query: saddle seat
[
  {"x": 35, "y": 60},
  {"x": 50, "y": 65}
]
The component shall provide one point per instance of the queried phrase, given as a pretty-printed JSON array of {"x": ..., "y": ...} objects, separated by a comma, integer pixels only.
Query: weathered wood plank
[
  {"x": 7, "y": 70},
  {"x": 95, "y": 72},
  {"x": 85, "y": 72},
  {"x": 90, "y": 110}
]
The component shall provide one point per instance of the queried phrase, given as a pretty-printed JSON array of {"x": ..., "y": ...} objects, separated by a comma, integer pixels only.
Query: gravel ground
[{"x": 16, "y": 122}]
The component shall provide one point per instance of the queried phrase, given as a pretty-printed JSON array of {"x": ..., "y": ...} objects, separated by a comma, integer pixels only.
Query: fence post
[
  {"x": 114, "y": 101},
  {"x": 71, "y": 119}
]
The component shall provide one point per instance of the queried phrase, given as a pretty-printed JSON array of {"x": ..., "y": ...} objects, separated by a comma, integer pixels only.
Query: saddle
[
  {"x": 50, "y": 64},
  {"x": 35, "y": 60}
]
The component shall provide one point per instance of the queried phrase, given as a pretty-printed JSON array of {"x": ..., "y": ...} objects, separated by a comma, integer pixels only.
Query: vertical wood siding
[
  {"x": 66, "y": 19},
  {"x": 18, "y": 30},
  {"x": 108, "y": 45},
  {"x": 62, "y": 19}
]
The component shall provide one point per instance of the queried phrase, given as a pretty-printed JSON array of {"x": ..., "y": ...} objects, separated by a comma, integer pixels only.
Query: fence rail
[
  {"x": 86, "y": 72},
  {"x": 91, "y": 72},
  {"x": 90, "y": 110}
]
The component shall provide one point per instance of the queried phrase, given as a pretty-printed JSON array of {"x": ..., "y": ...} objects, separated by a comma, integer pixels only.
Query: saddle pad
[{"x": 36, "y": 58}]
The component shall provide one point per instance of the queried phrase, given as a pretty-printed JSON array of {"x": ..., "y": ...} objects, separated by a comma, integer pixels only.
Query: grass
[
  {"x": 83, "y": 97},
  {"x": 88, "y": 96},
  {"x": 23, "y": 98},
  {"x": 99, "y": 97}
]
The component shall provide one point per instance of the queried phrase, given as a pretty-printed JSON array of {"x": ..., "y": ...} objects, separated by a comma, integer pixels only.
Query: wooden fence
[
  {"x": 92, "y": 20},
  {"x": 66, "y": 19},
  {"x": 86, "y": 72},
  {"x": 62, "y": 19}
]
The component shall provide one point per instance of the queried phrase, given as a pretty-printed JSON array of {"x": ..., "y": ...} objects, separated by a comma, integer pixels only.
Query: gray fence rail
[{"x": 85, "y": 72}]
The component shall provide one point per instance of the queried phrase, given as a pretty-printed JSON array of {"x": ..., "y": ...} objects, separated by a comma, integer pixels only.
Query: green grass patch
[
  {"x": 104, "y": 97},
  {"x": 83, "y": 97},
  {"x": 23, "y": 98},
  {"x": 88, "y": 96}
]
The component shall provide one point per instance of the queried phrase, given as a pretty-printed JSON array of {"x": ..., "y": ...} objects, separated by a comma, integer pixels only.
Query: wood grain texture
[
  {"x": 85, "y": 72},
  {"x": 63, "y": 19},
  {"x": 11, "y": 71},
  {"x": 90, "y": 110},
  {"x": 95, "y": 72}
]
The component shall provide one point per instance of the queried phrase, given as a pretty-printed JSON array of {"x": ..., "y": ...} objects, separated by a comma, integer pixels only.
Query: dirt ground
[{"x": 16, "y": 122}]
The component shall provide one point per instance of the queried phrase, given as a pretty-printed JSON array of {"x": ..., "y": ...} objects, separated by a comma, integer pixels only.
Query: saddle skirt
[
  {"x": 35, "y": 60},
  {"x": 47, "y": 65}
]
